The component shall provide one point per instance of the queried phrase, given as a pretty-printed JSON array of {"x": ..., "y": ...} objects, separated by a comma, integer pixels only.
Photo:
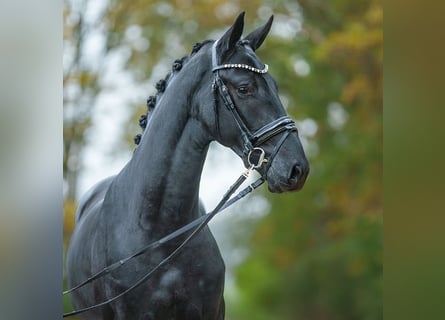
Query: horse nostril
[{"x": 295, "y": 173}]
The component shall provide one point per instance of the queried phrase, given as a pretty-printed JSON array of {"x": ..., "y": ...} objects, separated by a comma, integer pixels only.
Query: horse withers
[{"x": 220, "y": 92}]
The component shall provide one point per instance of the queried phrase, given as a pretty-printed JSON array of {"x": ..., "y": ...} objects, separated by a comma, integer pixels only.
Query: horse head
[{"x": 248, "y": 116}]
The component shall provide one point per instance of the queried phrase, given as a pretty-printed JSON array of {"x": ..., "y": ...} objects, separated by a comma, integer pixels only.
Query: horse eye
[{"x": 244, "y": 90}]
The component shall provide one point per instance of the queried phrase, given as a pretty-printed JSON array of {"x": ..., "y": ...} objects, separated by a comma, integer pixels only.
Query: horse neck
[{"x": 165, "y": 170}]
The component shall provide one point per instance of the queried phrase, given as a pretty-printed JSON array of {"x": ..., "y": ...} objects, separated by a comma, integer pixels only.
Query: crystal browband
[{"x": 241, "y": 66}]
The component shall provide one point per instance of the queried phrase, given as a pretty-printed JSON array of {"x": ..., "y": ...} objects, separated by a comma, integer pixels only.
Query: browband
[{"x": 216, "y": 66}]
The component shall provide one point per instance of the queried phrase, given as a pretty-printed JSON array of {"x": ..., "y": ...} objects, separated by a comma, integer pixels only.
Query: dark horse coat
[{"x": 158, "y": 190}]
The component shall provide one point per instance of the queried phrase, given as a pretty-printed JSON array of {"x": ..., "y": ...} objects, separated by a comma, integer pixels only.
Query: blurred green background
[{"x": 316, "y": 254}]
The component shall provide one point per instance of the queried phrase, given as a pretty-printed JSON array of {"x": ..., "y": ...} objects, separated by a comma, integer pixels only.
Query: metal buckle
[{"x": 259, "y": 161}]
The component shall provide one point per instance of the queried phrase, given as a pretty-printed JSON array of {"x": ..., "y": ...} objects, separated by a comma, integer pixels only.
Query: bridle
[
  {"x": 256, "y": 157},
  {"x": 251, "y": 140}
]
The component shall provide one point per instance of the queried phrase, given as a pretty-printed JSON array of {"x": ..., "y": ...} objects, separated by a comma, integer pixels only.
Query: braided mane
[{"x": 162, "y": 84}]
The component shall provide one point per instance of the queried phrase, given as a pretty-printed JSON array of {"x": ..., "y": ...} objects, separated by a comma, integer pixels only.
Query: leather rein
[{"x": 256, "y": 157}]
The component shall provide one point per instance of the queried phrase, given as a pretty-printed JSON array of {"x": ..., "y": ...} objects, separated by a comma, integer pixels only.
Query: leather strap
[{"x": 268, "y": 131}]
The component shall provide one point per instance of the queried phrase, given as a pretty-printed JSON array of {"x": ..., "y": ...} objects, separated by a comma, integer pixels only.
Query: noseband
[{"x": 251, "y": 140}]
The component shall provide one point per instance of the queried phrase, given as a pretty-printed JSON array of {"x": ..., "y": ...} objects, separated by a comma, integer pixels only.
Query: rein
[
  {"x": 198, "y": 224},
  {"x": 256, "y": 157}
]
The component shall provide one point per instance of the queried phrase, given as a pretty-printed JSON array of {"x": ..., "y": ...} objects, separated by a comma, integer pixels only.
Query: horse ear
[
  {"x": 231, "y": 37},
  {"x": 257, "y": 37}
]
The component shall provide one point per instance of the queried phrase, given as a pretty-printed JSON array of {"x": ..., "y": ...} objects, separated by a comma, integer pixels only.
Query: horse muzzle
[
  {"x": 289, "y": 169},
  {"x": 293, "y": 181}
]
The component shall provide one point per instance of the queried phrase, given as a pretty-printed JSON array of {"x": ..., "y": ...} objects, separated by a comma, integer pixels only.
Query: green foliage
[{"x": 318, "y": 253}]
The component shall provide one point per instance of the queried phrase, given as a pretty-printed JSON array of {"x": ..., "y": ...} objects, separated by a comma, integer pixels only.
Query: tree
[{"x": 317, "y": 254}]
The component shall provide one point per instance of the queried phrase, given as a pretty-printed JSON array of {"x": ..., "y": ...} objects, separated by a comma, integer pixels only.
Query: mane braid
[{"x": 162, "y": 85}]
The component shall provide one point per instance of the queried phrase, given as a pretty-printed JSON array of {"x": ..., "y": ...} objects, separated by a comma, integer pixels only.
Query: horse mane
[{"x": 161, "y": 85}]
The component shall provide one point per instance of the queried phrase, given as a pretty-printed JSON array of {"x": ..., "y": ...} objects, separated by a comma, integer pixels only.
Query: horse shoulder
[{"x": 93, "y": 197}]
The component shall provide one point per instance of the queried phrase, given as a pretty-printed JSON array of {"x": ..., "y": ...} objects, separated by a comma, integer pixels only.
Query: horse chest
[
  {"x": 191, "y": 284},
  {"x": 198, "y": 270}
]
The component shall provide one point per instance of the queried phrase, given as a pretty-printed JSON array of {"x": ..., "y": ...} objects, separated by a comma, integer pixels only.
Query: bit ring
[{"x": 261, "y": 158}]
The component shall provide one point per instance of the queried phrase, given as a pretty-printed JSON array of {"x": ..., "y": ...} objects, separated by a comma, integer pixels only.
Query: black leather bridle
[
  {"x": 256, "y": 157},
  {"x": 251, "y": 140}
]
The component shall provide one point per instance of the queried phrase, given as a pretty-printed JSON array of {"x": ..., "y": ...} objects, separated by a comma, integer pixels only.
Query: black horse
[{"x": 221, "y": 92}]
